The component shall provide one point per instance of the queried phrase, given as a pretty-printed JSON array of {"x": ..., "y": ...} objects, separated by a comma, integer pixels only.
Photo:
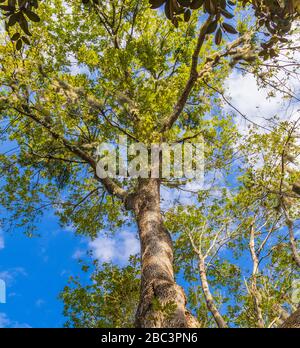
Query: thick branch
[
  {"x": 191, "y": 81},
  {"x": 290, "y": 226},
  {"x": 293, "y": 321},
  {"x": 293, "y": 244},
  {"x": 211, "y": 61}
]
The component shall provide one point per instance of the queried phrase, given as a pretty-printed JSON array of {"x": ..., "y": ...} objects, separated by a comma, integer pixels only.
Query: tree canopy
[
  {"x": 275, "y": 16},
  {"x": 119, "y": 68}
]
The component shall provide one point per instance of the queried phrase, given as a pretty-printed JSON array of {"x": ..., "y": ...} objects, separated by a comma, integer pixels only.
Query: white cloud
[
  {"x": 104, "y": 249},
  {"x": 250, "y": 99},
  {"x": 253, "y": 102},
  {"x": 5, "y": 322},
  {"x": 185, "y": 196},
  {"x": 17, "y": 325},
  {"x": 77, "y": 68},
  {"x": 10, "y": 275},
  {"x": 118, "y": 249},
  {"x": 78, "y": 254},
  {"x": 39, "y": 302}
]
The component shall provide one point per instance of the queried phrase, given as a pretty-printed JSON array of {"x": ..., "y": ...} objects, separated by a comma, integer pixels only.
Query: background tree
[{"x": 109, "y": 301}]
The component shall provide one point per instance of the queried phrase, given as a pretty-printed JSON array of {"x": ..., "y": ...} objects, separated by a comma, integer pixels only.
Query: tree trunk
[
  {"x": 162, "y": 301},
  {"x": 293, "y": 243},
  {"x": 293, "y": 321},
  {"x": 283, "y": 315},
  {"x": 290, "y": 226}
]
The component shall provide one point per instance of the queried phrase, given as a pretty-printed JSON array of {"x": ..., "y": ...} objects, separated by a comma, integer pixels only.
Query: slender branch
[
  {"x": 235, "y": 108},
  {"x": 272, "y": 229},
  {"x": 293, "y": 321},
  {"x": 210, "y": 301},
  {"x": 85, "y": 198},
  {"x": 192, "y": 78},
  {"x": 211, "y": 62},
  {"x": 112, "y": 187},
  {"x": 254, "y": 290}
]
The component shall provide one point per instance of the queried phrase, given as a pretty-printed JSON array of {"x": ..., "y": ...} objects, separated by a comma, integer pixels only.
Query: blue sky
[{"x": 35, "y": 271}]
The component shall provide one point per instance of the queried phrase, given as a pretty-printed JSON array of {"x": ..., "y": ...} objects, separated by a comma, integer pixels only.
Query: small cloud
[
  {"x": 64, "y": 273},
  {"x": 171, "y": 197},
  {"x": 43, "y": 254},
  {"x": 17, "y": 325},
  {"x": 70, "y": 228},
  {"x": 251, "y": 101},
  {"x": 119, "y": 249},
  {"x": 10, "y": 275},
  {"x": 78, "y": 254},
  {"x": 39, "y": 302},
  {"x": 13, "y": 294},
  {"x": 5, "y": 322},
  {"x": 104, "y": 249}
]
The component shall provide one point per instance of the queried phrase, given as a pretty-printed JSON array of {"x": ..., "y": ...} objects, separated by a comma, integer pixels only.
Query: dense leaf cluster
[{"x": 275, "y": 16}]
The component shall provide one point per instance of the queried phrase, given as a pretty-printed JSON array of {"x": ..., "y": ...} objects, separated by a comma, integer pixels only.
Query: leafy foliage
[
  {"x": 124, "y": 70},
  {"x": 110, "y": 301}
]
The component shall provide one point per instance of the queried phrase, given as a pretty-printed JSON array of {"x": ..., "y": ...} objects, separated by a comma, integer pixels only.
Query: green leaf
[
  {"x": 212, "y": 27},
  {"x": 15, "y": 37},
  {"x": 32, "y": 16},
  {"x": 229, "y": 28},
  {"x": 218, "y": 37},
  {"x": 24, "y": 25},
  {"x": 25, "y": 40},
  {"x": 19, "y": 45},
  {"x": 156, "y": 3}
]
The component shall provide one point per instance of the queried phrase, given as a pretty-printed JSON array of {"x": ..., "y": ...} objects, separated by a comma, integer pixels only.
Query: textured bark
[
  {"x": 290, "y": 226},
  {"x": 295, "y": 252},
  {"x": 208, "y": 296},
  {"x": 158, "y": 287},
  {"x": 293, "y": 321}
]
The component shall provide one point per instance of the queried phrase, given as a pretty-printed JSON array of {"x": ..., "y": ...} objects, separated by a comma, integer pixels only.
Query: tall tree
[{"x": 123, "y": 70}]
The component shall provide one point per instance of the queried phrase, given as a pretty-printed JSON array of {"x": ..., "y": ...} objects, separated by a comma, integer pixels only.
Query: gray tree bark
[
  {"x": 162, "y": 301},
  {"x": 210, "y": 302},
  {"x": 293, "y": 322}
]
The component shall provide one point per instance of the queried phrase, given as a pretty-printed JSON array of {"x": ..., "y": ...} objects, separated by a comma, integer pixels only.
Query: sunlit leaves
[{"x": 108, "y": 301}]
